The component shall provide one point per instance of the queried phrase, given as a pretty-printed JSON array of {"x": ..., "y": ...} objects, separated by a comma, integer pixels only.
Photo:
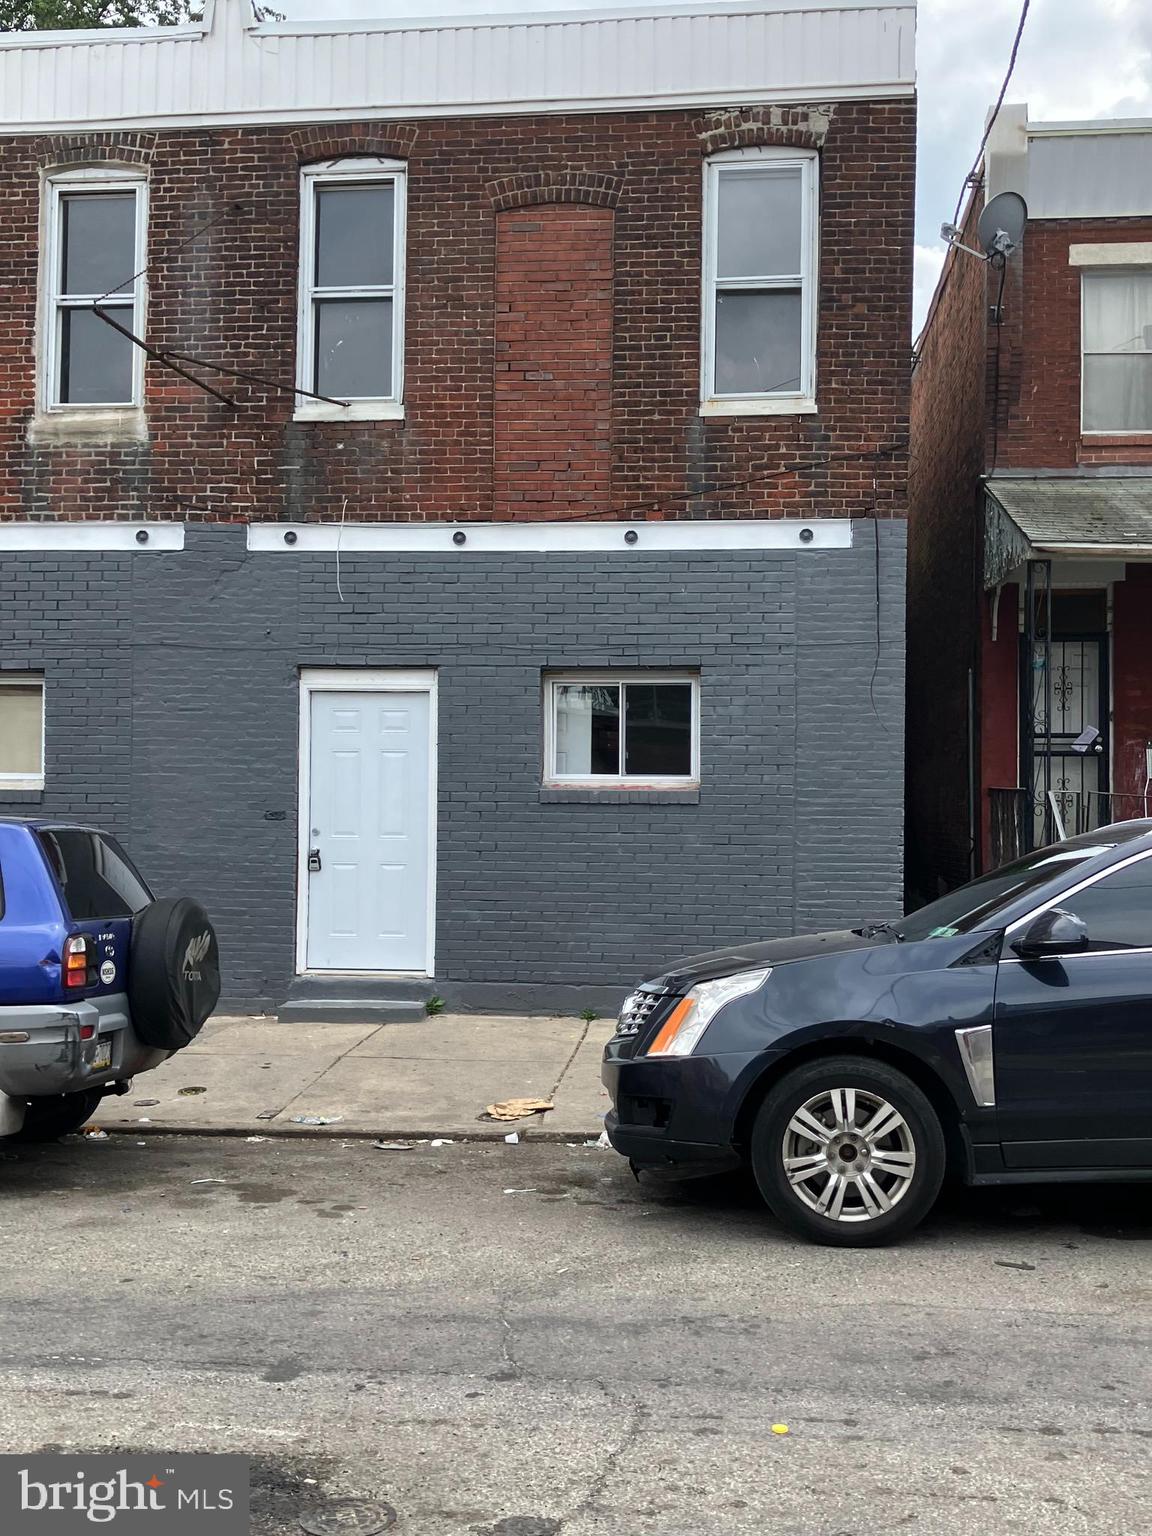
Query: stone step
[{"x": 352, "y": 1010}]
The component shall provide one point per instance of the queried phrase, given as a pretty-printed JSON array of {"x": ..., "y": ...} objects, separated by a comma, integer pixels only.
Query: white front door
[{"x": 368, "y": 832}]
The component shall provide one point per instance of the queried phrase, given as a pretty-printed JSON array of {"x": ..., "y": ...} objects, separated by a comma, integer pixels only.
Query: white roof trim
[{"x": 232, "y": 69}]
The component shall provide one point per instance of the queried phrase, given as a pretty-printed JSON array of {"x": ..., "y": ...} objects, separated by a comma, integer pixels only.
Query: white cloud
[{"x": 1078, "y": 59}]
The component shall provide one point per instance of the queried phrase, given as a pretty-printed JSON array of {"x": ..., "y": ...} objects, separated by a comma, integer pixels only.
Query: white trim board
[
  {"x": 548, "y": 538},
  {"x": 50, "y": 537},
  {"x": 361, "y": 680}
]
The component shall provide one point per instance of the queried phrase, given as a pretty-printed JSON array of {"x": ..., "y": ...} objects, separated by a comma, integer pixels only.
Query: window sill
[
  {"x": 126, "y": 424},
  {"x": 356, "y": 410},
  {"x": 22, "y": 789},
  {"x": 753, "y": 406},
  {"x": 618, "y": 794},
  {"x": 1135, "y": 439}
]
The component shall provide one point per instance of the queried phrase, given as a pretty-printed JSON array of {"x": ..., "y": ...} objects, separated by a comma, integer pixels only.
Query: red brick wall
[
  {"x": 552, "y": 444},
  {"x": 999, "y": 694},
  {"x": 1131, "y": 687},
  {"x": 1040, "y": 361},
  {"x": 948, "y": 402},
  {"x": 229, "y": 293}
]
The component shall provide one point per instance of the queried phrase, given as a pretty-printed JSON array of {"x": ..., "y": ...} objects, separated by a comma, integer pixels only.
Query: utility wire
[
  {"x": 973, "y": 179},
  {"x": 169, "y": 358}
]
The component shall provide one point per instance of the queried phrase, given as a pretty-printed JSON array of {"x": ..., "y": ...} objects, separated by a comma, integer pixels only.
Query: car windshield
[{"x": 974, "y": 904}]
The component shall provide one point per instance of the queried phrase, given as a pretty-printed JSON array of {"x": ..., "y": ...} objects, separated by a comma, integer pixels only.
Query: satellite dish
[{"x": 1001, "y": 226}]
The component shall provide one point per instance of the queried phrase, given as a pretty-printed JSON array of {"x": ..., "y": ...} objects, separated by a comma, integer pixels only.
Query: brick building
[
  {"x": 452, "y": 480},
  {"x": 1030, "y": 511}
]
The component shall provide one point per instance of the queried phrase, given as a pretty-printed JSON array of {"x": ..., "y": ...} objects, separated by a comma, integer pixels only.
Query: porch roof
[{"x": 1080, "y": 517}]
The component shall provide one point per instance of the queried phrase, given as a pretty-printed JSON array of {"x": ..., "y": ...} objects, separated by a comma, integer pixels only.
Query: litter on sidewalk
[
  {"x": 518, "y": 1109},
  {"x": 317, "y": 1119}
]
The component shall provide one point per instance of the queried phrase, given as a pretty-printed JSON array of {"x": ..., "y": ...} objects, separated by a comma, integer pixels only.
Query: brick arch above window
[
  {"x": 597, "y": 188},
  {"x": 745, "y": 128},
  {"x": 388, "y": 140},
  {"x": 59, "y": 151}
]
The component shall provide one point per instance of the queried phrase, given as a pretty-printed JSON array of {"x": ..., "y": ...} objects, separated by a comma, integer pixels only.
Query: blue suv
[{"x": 99, "y": 980}]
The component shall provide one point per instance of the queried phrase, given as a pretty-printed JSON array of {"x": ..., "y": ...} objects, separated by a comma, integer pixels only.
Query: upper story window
[
  {"x": 759, "y": 319},
  {"x": 352, "y": 288},
  {"x": 95, "y": 256},
  {"x": 1116, "y": 381}
]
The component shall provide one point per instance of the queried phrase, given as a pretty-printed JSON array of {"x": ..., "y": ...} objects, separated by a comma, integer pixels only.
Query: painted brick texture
[
  {"x": 222, "y": 285},
  {"x": 552, "y": 442},
  {"x": 173, "y": 719}
]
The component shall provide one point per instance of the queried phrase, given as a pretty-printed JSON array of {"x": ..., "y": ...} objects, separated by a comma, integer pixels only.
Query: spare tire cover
[{"x": 174, "y": 975}]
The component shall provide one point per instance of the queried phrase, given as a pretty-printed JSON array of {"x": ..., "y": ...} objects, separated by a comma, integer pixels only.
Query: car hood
[{"x": 749, "y": 957}]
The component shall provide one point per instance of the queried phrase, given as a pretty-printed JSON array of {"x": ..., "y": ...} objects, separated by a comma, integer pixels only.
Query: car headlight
[{"x": 681, "y": 1031}]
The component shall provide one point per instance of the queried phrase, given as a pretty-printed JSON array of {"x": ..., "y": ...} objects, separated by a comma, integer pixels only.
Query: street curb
[{"x": 353, "y": 1133}]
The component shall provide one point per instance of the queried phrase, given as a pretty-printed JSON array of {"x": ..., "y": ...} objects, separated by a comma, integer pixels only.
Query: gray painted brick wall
[{"x": 173, "y": 717}]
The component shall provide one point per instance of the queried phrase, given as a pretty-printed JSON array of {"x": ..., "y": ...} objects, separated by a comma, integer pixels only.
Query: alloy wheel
[{"x": 849, "y": 1154}]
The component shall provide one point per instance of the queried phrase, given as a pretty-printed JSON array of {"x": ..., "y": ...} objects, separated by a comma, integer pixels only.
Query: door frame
[{"x": 360, "y": 680}]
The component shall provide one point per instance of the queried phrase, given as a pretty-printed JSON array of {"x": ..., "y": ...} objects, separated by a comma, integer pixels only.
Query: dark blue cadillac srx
[{"x": 1003, "y": 1033}]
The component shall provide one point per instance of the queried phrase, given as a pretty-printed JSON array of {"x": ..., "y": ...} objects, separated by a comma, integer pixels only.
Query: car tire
[
  {"x": 849, "y": 1152},
  {"x": 48, "y": 1119},
  {"x": 174, "y": 972}
]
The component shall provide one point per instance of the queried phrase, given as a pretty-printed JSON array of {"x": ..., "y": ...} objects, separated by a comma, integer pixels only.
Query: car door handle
[{"x": 313, "y": 861}]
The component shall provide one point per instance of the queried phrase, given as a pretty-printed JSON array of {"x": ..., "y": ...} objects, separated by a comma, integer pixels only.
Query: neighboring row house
[
  {"x": 1030, "y": 561},
  {"x": 452, "y": 481}
]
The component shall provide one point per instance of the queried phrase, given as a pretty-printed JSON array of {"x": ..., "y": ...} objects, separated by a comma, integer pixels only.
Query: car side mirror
[{"x": 1055, "y": 932}]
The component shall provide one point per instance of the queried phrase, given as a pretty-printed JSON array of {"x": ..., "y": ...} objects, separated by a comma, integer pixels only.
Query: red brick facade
[
  {"x": 1040, "y": 354},
  {"x": 981, "y": 405},
  {"x": 552, "y": 444},
  {"x": 616, "y": 198}
]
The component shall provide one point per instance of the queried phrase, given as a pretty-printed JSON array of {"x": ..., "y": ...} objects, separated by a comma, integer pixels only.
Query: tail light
[{"x": 79, "y": 956}]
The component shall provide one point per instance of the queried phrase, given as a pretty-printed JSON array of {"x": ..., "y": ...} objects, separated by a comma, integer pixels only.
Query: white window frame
[
  {"x": 779, "y": 402},
  {"x": 28, "y": 780},
  {"x": 1107, "y": 269},
  {"x": 312, "y": 178},
  {"x": 58, "y": 185},
  {"x": 615, "y": 678}
]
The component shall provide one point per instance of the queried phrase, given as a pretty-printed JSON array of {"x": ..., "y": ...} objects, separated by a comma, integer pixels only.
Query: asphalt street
[{"x": 522, "y": 1341}]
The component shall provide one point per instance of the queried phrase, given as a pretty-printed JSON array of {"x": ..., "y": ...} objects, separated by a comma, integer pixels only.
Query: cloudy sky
[{"x": 1079, "y": 59}]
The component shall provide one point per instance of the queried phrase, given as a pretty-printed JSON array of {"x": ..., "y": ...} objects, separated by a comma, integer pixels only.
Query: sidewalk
[{"x": 433, "y": 1078}]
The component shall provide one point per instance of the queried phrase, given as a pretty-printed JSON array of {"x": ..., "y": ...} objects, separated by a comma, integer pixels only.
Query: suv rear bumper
[{"x": 54, "y": 1059}]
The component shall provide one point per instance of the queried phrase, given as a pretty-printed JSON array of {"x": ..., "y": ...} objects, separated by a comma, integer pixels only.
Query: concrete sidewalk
[{"x": 253, "y": 1077}]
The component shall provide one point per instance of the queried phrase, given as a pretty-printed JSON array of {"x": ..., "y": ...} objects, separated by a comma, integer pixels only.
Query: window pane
[
  {"x": 95, "y": 360},
  {"x": 95, "y": 874},
  {"x": 1118, "y": 909},
  {"x": 1118, "y": 311},
  {"x": 758, "y": 220},
  {"x": 587, "y": 729},
  {"x": 1118, "y": 394},
  {"x": 354, "y": 236},
  {"x": 757, "y": 343},
  {"x": 21, "y": 729},
  {"x": 354, "y": 348},
  {"x": 99, "y": 241},
  {"x": 658, "y": 728}
]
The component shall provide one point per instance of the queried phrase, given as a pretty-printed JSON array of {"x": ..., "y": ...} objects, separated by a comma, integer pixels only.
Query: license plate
[{"x": 101, "y": 1056}]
